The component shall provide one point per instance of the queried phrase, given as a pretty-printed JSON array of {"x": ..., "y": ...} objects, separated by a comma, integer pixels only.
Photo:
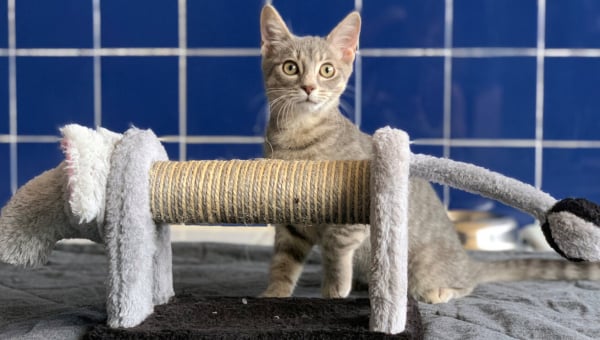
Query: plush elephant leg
[
  {"x": 139, "y": 251},
  {"x": 388, "y": 286},
  {"x": 131, "y": 250},
  {"x": 162, "y": 266}
]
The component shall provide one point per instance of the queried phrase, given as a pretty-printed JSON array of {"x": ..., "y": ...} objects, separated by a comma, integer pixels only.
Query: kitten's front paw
[
  {"x": 277, "y": 292},
  {"x": 438, "y": 295},
  {"x": 335, "y": 292},
  {"x": 443, "y": 295}
]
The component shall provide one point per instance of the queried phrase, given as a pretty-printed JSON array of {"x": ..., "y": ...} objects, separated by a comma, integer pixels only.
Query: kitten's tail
[{"x": 538, "y": 269}]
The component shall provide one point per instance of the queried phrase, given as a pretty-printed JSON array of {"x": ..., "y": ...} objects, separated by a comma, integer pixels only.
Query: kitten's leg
[
  {"x": 440, "y": 274},
  {"x": 337, "y": 273},
  {"x": 338, "y": 245},
  {"x": 291, "y": 249},
  {"x": 162, "y": 266}
]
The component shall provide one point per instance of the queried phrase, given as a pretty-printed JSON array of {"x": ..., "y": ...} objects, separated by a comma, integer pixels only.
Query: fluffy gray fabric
[
  {"x": 572, "y": 236},
  {"x": 139, "y": 251},
  {"x": 63, "y": 299},
  {"x": 39, "y": 215},
  {"x": 576, "y": 236},
  {"x": 388, "y": 285},
  {"x": 518, "y": 310},
  {"x": 483, "y": 182}
]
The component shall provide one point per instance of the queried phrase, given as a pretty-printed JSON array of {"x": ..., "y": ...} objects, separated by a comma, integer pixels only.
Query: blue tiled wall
[
  {"x": 54, "y": 24},
  {"x": 482, "y": 81}
]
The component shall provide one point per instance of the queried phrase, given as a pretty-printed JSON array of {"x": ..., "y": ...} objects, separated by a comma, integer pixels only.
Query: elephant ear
[{"x": 87, "y": 159}]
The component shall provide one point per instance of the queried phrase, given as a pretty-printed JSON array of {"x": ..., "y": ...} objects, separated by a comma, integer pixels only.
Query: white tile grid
[
  {"x": 539, "y": 95},
  {"x": 182, "y": 31},
  {"x": 12, "y": 93},
  {"x": 448, "y": 52},
  {"x": 447, "y": 134},
  {"x": 97, "y": 63},
  {"x": 403, "y": 52},
  {"x": 358, "y": 4}
]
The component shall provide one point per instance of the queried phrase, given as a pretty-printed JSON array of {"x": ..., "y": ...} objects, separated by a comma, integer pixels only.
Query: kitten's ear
[
  {"x": 345, "y": 36},
  {"x": 272, "y": 28}
]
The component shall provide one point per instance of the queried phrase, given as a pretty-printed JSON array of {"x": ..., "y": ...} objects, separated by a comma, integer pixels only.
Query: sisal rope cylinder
[{"x": 260, "y": 191}]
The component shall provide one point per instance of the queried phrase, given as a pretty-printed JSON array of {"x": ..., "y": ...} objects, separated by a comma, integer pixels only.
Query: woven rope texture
[{"x": 260, "y": 191}]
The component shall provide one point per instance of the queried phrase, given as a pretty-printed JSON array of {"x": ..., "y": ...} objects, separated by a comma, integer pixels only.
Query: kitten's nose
[{"x": 308, "y": 88}]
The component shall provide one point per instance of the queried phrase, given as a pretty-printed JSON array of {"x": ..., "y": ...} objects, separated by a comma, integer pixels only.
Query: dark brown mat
[{"x": 190, "y": 316}]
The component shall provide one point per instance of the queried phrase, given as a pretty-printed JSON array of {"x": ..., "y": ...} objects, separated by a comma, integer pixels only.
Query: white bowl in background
[{"x": 482, "y": 230}]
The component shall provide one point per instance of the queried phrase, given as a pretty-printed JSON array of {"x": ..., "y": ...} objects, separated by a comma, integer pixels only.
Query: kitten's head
[{"x": 306, "y": 74}]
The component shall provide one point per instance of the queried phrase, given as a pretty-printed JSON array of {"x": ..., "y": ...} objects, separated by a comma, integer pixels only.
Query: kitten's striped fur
[{"x": 305, "y": 123}]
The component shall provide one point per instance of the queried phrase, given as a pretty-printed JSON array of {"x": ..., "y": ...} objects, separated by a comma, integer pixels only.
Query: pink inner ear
[
  {"x": 66, "y": 146},
  {"x": 347, "y": 55}
]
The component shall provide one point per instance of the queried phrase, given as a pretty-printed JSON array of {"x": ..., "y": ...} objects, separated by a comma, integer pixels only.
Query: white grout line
[
  {"x": 570, "y": 144},
  {"x": 182, "y": 31},
  {"x": 358, "y": 5},
  {"x": 447, "y": 133},
  {"x": 456, "y": 52},
  {"x": 7, "y": 138},
  {"x": 489, "y": 143},
  {"x": 223, "y": 52},
  {"x": 493, "y": 52},
  {"x": 403, "y": 52},
  {"x": 539, "y": 93},
  {"x": 133, "y": 52},
  {"x": 29, "y": 139},
  {"x": 358, "y": 90},
  {"x": 214, "y": 139},
  {"x": 97, "y": 64},
  {"x": 571, "y": 52},
  {"x": 358, "y": 77},
  {"x": 481, "y": 52},
  {"x": 508, "y": 143},
  {"x": 473, "y": 143},
  {"x": 12, "y": 90}
]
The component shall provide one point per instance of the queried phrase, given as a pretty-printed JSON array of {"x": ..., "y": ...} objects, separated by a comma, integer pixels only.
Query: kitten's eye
[
  {"x": 290, "y": 68},
  {"x": 327, "y": 70}
]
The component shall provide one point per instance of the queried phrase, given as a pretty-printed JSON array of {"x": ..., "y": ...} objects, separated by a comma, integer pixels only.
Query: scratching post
[
  {"x": 305, "y": 192},
  {"x": 121, "y": 190},
  {"x": 260, "y": 191}
]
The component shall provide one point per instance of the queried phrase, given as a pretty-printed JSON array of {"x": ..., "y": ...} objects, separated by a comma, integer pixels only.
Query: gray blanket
[
  {"x": 518, "y": 310},
  {"x": 63, "y": 299}
]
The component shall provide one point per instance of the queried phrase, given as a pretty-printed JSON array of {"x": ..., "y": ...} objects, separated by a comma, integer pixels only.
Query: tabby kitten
[{"x": 304, "y": 79}]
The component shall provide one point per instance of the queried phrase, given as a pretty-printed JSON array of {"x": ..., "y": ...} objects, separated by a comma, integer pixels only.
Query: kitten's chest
[
  {"x": 330, "y": 144},
  {"x": 316, "y": 153},
  {"x": 293, "y": 145}
]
